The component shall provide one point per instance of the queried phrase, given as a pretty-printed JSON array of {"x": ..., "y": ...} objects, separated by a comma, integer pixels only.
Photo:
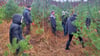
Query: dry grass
[{"x": 45, "y": 44}]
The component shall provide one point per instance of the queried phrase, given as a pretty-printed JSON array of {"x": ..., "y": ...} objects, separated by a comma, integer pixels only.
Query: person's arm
[{"x": 29, "y": 17}]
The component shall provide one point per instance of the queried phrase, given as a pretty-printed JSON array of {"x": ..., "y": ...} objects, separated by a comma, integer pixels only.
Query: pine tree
[{"x": 11, "y": 8}]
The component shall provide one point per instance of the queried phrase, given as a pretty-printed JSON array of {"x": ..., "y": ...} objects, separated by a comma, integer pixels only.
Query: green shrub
[
  {"x": 39, "y": 31},
  {"x": 86, "y": 52},
  {"x": 37, "y": 11},
  {"x": 23, "y": 44},
  {"x": 58, "y": 22},
  {"x": 10, "y": 9},
  {"x": 80, "y": 23},
  {"x": 0, "y": 21},
  {"x": 23, "y": 25},
  {"x": 6, "y": 53},
  {"x": 2, "y": 14},
  {"x": 59, "y": 25}
]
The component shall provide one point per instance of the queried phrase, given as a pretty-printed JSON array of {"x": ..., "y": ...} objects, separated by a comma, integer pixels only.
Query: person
[
  {"x": 72, "y": 29},
  {"x": 53, "y": 22},
  {"x": 27, "y": 19},
  {"x": 88, "y": 21},
  {"x": 64, "y": 19},
  {"x": 16, "y": 30}
]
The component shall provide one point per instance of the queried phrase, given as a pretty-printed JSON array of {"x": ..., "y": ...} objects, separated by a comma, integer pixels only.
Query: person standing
[
  {"x": 27, "y": 19},
  {"x": 72, "y": 29},
  {"x": 53, "y": 22},
  {"x": 16, "y": 30},
  {"x": 88, "y": 21},
  {"x": 64, "y": 19}
]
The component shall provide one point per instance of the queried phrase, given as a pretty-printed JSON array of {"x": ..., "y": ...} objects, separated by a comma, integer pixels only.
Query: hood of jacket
[{"x": 17, "y": 19}]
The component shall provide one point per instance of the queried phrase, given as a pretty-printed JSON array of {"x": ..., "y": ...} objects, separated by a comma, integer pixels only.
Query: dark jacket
[
  {"x": 64, "y": 19},
  {"x": 15, "y": 28},
  {"x": 88, "y": 21},
  {"x": 53, "y": 21},
  {"x": 70, "y": 27},
  {"x": 27, "y": 16}
]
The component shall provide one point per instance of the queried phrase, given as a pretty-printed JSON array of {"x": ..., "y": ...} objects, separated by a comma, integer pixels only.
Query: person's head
[
  {"x": 17, "y": 19},
  {"x": 29, "y": 7},
  {"x": 53, "y": 12}
]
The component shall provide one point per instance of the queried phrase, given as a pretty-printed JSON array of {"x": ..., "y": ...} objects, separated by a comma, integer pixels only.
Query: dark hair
[{"x": 28, "y": 6}]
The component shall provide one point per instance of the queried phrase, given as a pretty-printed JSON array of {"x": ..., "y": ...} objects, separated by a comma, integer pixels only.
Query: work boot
[{"x": 67, "y": 48}]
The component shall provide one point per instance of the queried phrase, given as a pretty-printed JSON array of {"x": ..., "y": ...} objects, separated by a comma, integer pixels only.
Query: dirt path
[
  {"x": 4, "y": 37},
  {"x": 45, "y": 44}
]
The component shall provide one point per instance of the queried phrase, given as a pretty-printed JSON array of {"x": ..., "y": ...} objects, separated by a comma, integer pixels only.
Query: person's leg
[
  {"x": 27, "y": 29},
  {"x": 63, "y": 27},
  {"x": 54, "y": 30},
  {"x": 17, "y": 51},
  {"x": 64, "y": 31},
  {"x": 81, "y": 40},
  {"x": 68, "y": 42}
]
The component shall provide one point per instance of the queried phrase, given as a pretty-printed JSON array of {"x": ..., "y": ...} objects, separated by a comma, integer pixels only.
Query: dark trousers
[
  {"x": 64, "y": 29},
  {"x": 70, "y": 39},
  {"x": 53, "y": 30},
  {"x": 27, "y": 29}
]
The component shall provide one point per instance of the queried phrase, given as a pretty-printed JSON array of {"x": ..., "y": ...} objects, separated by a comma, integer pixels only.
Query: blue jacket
[
  {"x": 70, "y": 27},
  {"x": 27, "y": 16},
  {"x": 53, "y": 21},
  {"x": 15, "y": 28}
]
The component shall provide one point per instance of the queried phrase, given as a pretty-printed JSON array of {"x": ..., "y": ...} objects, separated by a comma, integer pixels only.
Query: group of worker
[{"x": 68, "y": 27}]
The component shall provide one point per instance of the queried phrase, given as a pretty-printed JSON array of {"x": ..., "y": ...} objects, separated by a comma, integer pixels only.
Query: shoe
[{"x": 67, "y": 48}]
